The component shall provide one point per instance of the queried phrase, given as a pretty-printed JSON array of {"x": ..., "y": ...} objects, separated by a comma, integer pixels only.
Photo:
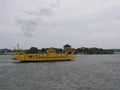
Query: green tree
[
  {"x": 43, "y": 50},
  {"x": 33, "y": 50}
]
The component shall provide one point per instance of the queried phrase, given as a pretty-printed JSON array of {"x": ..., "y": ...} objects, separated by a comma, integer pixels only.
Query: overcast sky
[{"x": 54, "y": 23}]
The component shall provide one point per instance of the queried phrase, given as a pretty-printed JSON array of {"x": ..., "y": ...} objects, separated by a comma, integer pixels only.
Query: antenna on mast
[{"x": 18, "y": 47}]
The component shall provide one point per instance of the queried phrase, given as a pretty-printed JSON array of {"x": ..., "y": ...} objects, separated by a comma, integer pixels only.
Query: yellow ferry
[{"x": 51, "y": 55}]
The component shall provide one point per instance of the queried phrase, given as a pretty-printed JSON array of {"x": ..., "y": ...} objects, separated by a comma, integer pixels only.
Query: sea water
[{"x": 86, "y": 72}]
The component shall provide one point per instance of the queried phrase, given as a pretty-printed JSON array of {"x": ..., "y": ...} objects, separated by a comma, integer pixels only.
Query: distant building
[{"x": 66, "y": 47}]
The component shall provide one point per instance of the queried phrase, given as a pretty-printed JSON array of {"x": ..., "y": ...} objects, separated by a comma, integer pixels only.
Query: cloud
[
  {"x": 28, "y": 26},
  {"x": 55, "y": 3},
  {"x": 78, "y": 22},
  {"x": 38, "y": 17},
  {"x": 44, "y": 11}
]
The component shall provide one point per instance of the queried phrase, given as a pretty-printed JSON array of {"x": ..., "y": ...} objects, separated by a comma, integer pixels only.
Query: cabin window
[{"x": 29, "y": 56}]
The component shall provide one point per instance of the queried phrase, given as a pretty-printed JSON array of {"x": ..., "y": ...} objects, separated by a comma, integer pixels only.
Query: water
[{"x": 87, "y": 72}]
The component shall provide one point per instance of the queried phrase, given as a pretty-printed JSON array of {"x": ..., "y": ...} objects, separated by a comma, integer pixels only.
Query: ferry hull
[
  {"x": 47, "y": 58},
  {"x": 50, "y": 56}
]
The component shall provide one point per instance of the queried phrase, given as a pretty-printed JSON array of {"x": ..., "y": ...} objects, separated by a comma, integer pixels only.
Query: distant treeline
[
  {"x": 34, "y": 50},
  {"x": 82, "y": 50},
  {"x": 6, "y": 52}
]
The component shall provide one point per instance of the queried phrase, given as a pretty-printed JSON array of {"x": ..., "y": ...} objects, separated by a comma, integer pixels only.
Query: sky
[{"x": 54, "y": 23}]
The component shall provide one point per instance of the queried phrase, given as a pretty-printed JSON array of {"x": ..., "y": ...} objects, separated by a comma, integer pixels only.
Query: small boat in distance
[{"x": 51, "y": 55}]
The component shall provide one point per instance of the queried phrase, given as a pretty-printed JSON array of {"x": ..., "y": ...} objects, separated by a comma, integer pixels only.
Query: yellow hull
[
  {"x": 50, "y": 56},
  {"x": 42, "y": 58}
]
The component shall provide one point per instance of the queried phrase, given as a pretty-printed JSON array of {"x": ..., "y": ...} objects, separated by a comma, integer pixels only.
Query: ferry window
[{"x": 30, "y": 56}]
